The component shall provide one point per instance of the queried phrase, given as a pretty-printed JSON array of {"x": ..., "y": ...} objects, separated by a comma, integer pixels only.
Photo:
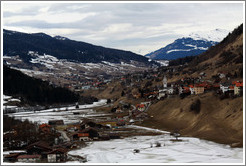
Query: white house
[
  {"x": 224, "y": 87},
  {"x": 192, "y": 91}
]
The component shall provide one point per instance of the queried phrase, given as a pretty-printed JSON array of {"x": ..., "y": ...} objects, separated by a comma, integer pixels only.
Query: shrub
[{"x": 196, "y": 106}]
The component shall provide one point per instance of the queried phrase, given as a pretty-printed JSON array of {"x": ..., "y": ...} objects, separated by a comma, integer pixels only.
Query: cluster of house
[
  {"x": 86, "y": 130},
  {"x": 139, "y": 113},
  {"x": 40, "y": 152},
  {"x": 89, "y": 130},
  {"x": 184, "y": 88},
  {"x": 235, "y": 87},
  {"x": 97, "y": 84}
]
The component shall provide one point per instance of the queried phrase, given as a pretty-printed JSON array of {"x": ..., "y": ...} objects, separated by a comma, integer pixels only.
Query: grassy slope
[{"x": 219, "y": 120}]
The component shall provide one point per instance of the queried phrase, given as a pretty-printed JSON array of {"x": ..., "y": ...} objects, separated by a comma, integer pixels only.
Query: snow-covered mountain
[
  {"x": 43, "y": 56},
  {"x": 216, "y": 35},
  {"x": 193, "y": 44}
]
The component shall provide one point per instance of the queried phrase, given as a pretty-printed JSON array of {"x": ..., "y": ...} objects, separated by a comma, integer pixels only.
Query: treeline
[
  {"x": 181, "y": 61},
  {"x": 34, "y": 91},
  {"x": 18, "y": 134}
]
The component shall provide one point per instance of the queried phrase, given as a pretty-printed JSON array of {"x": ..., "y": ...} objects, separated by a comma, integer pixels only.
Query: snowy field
[
  {"x": 190, "y": 150},
  {"x": 44, "y": 116}
]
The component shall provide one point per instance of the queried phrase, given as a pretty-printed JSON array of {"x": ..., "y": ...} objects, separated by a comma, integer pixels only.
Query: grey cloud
[
  {"x": 140, "y": 15},
  {"x": 27, "y": 11}
]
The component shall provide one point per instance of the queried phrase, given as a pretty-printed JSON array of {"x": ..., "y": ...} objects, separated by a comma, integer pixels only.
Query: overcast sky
[{"x": 138, "y": 27}]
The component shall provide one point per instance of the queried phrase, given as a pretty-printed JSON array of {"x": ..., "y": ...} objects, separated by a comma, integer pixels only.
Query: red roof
[
  {"x": 44, "y": 125},
  {"x": 28, "y": 156},
  {"x": 239, "y": 84},
  {"x": 235, "y": 82},
  {"x": 231, "y": 87},
  {"x": 216, "y": 86},
  {"x": 140, "y": 106},
  {"x": 186, "y": 89},
  {"x": 191, "y": 86},
  {"x": 83, "y": 134},
  {"x": 200, "y": 85}
]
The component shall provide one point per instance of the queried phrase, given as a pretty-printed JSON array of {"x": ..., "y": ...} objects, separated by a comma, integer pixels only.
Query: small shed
[{"x": 56, "y": 122}]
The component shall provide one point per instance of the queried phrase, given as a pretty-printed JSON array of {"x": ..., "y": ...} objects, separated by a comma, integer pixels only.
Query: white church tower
[{"x": 165, "y": 82}]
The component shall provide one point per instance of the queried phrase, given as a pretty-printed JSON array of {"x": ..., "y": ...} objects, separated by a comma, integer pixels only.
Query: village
[
  {"x": 64, "y": 137},
  {"x": 59, "y": 136}
]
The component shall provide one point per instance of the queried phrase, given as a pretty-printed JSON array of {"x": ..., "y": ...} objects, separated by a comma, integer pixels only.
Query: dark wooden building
[{"x": 39, "y": 147}]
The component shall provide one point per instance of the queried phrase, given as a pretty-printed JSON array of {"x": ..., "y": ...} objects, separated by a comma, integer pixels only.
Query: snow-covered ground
[
  {"x": 13, "y": 151},
  {"x": 7, "y": 99},
  {"x": 163, "y": 62},
  {"x": 65, "y": 113},
  {"x": 190, "y": 150}
]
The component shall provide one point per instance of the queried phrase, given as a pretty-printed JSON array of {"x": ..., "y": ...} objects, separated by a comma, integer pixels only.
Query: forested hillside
[{"x": 36, "y": 91}]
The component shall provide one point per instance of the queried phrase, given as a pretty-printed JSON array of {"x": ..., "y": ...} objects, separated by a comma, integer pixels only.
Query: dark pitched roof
[
  {"x": 88, "y": 129},
  {"x": 40, "y": 144},
  {"x": 12, "y": 155},
  {"x": 61, "y": 150}
]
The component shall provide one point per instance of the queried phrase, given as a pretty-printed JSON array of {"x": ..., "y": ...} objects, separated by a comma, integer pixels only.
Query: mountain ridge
[
  {"x": 191, "y": 45},
  {"x": 18, "y": 43}
]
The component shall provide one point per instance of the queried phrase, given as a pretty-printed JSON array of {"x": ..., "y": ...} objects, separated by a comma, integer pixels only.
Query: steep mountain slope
[
  {"x": 225, "y": 57},
  {"x": 219, "y": 119},
  {"x": 17, "y": 43},
  {"x": 36, "y": 91},
  {"x": 194, "y": 44}
]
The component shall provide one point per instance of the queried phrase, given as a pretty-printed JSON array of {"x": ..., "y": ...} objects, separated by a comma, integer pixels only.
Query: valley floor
[
  {"x": 166, "y": 116},
  {"x": 189, "y": 150}
]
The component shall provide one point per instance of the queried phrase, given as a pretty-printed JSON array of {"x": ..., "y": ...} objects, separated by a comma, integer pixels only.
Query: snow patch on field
[
  {"x": 110, "y": 64},
  {"x": 46, "y": 60},
  {"x": 31, "y": 73},
  {"x": 190, "y": 150},
  {"x": 64, "y": 113},
  {"x": 5, "y": 97},
  {"x": 126, "y": 64}
]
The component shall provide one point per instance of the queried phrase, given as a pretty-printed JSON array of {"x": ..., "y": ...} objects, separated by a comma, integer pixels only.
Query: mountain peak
[
  {"x": 191, "y": 45},
  {"x": 216, "y": 35}
]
